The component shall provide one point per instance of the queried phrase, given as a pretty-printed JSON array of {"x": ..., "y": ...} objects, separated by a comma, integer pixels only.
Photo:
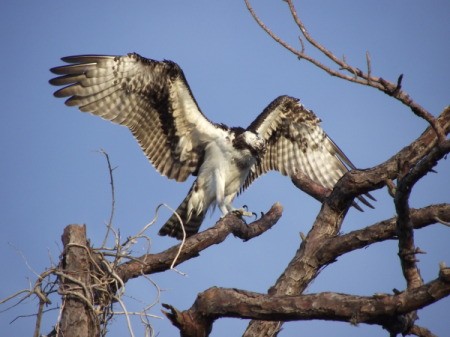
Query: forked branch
[{"x": 345, "y": 70}]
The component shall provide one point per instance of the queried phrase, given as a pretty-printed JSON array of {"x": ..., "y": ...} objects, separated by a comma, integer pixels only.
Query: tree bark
[{"x": 77, "y": 318}]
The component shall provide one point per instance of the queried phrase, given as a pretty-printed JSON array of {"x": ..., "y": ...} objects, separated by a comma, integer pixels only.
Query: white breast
[{"x": 223, "y": 172}]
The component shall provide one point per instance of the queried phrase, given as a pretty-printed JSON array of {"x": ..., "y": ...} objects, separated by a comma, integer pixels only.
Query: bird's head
[{"x": 250, "y": 141}]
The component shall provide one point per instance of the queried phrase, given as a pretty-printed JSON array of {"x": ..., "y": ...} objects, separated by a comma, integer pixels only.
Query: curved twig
[{"x": 357, "y": 75}]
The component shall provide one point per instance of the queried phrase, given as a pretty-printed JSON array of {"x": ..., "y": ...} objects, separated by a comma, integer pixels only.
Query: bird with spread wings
[{"x": 153, "y": 99}]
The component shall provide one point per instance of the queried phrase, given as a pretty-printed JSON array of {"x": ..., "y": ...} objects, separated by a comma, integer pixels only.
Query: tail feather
[{"x": 191, "y": 222}]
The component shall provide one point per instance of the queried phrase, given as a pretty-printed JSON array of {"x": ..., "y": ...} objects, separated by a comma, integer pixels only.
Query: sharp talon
[
  {"x": 256, "y": 215},
  {"x": 262, "y": 214},
  {"x": 243, "y": 212},
  {"x": 245, "y": 207}
]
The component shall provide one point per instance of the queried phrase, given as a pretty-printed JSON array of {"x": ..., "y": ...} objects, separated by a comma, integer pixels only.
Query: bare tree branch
[
  {"x": 310, "y": 187},
  {"x": 334, "y": 247},
  {"x": 356, "y": 74},
  {"x": 381, "y": 310},
  {"x": 113, "y": 197},
  {"x": 154, "y": 263}
]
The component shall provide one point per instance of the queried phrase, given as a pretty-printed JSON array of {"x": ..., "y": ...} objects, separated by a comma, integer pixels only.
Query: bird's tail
[{"x": 191, "y": 217}]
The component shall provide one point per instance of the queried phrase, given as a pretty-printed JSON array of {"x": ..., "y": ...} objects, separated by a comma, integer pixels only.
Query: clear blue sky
[{"x": 51, "y": 174}]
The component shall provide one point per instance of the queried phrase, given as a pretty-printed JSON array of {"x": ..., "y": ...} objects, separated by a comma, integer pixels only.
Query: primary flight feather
[{"x": 154, "y": 101}]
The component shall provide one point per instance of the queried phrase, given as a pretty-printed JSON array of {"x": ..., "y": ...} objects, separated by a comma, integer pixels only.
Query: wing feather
[
  {"x": 295, "y": 141},
  {"x": 151, "y": 98}
]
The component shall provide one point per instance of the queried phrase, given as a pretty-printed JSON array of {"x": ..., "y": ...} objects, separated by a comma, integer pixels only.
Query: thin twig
[
  {"x": 127, "y": 316},
  {"x": 314, "y": 43},
  {"x": 40, "y": 313},
  {"x": 300, "y": 53},
  {"x": 359, "y": 76},
  {"x": 113, "y": 198},
  {"x": 183, "y": 241}
]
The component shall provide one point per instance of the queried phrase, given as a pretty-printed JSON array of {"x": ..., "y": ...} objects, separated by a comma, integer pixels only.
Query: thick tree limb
[
  {"x": 230, "y": 224},
  {"x": 310, "y": 187},
  {"x": 318, "y": 192},
  {"x": 334, "y": 247},
  {"x": 381, "y": 310}
]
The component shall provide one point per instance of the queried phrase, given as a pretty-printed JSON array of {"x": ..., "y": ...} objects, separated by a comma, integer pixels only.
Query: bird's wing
[
  {"x": 296, "y": 142},
  {"x": 151, "y": 98}
]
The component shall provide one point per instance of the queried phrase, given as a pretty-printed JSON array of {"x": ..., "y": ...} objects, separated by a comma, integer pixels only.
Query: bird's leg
[
  {"x": 221, "y": 199},
  {"x": 224, "y": 209}
]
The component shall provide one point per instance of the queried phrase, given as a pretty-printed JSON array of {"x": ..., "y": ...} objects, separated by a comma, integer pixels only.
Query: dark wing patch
[
  {"x": 151, "y": 98},
  {"x": 295, "y": 141}
]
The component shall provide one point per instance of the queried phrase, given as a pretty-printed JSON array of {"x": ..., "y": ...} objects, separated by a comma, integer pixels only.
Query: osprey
[{"x": 154, "y": 101}]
